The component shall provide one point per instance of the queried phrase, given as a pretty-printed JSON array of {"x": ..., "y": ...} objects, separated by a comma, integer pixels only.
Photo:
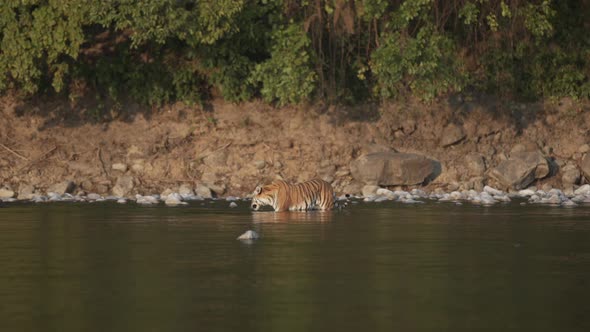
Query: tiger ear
[{"x": 258, "y": 190}]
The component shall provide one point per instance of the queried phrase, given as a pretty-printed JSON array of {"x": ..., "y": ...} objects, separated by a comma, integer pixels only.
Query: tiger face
[{"x": 264, "y": 196}]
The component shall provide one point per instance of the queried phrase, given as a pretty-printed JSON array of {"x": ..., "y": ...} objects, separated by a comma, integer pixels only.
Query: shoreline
[
  {"x": 488, "y": 197},
  {"x": 454, "y": 148}
]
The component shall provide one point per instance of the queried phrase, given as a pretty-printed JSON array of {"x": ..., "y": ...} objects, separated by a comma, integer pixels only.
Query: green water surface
[{"x": 372, "y": 267}]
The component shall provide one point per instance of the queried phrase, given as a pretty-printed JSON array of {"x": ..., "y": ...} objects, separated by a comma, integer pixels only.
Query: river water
[{"x": 373, "y": 267}]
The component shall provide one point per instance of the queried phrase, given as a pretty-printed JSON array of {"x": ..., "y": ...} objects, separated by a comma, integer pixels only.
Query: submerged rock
[{"x": 249, "y": 235}]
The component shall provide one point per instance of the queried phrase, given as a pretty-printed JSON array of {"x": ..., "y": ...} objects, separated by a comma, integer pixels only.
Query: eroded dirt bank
[{"x": 231, "y": 148}]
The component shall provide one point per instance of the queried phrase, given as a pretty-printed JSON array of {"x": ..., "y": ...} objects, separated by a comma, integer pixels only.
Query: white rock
[
  {"x": 380, "y": 199},
  {"x": 455, "y": 195},
  {"x": 249, "y": 235},
  {"x": 492, "y": 191},
  {"x": 233, "y": 205},
  {"x": 502, "y": 198},
  {"x": 568, "y": 203},
  {"x": 583, "y": 190},
  {"x": 526, "y": 193},
  {"x": 231, "y": 198},
  {"x": 93, "y": 196},
  {"x": 122, "y": 201},
  {"x": 146, "y": 200},
  {"x": 554, "y": 199}
]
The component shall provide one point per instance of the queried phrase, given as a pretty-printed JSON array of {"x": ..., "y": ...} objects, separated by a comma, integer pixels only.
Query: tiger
[{"x": 310, "y": 195}]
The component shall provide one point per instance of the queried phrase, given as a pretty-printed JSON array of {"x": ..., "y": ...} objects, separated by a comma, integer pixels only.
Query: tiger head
[{"x": 265, "y": 195}]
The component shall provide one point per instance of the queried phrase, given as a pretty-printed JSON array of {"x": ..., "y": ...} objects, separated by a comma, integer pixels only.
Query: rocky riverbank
[{"x": 456, "y": 150}]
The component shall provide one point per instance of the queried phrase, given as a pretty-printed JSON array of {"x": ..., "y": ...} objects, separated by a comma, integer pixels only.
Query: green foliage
[
  {"x": 424, "y": 66},
  {"x": 288, "y": 51},
  {"x": 287, "y": 77}
]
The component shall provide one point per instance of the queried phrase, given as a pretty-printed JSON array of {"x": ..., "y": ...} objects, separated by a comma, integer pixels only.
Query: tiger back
[{"x": 310, "y": 195}]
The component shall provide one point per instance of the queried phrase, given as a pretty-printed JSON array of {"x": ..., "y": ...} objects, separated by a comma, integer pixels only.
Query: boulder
[
  {"x": 123, "y": 186},
  {"x": 521, "y": 169},
  {"x": 392, "y": 168},
  {"x": 65, "y": 187}
]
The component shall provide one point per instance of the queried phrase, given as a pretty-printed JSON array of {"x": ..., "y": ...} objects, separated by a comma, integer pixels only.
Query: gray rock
[
  {"x": 203, "y": 191},
  {"x": 391, "y": 168},
  {"x": 94, "y": 196},
  {"x": 121, "y": 201},
  {"x": 369, "y": 190},
  {"x": 119, "y": 167},
  {"x": 249, "y": 235},
  {"x": 233, "y": 205},
  {"x": 583, "y": 190},
  {"x": 25, "y": 191},
  {"x": 452, "y": 134},
  {"x": 123, "y": 186},
  {"x": 145, "y": 200}
]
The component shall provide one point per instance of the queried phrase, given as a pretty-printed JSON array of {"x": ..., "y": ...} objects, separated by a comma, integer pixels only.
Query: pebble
[{"x": 233, "y": 205}]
